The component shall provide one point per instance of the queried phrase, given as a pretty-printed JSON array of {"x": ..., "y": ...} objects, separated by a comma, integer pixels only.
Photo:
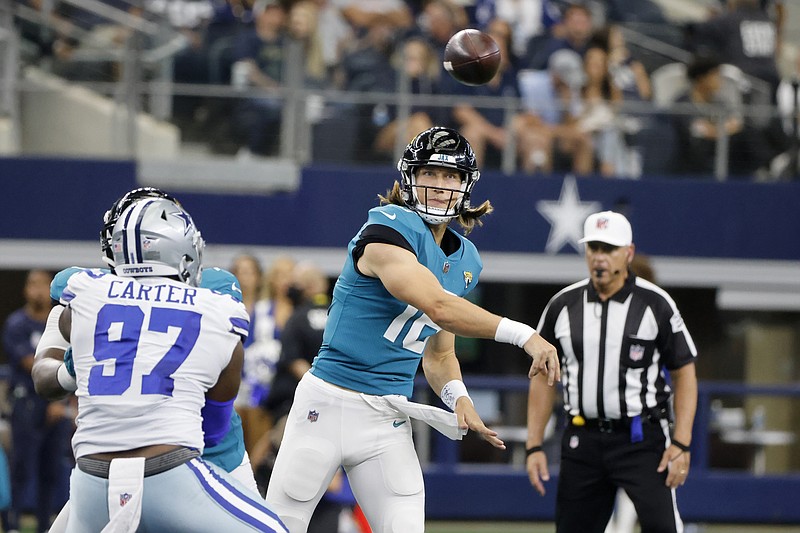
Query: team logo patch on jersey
[
  {"x": 446, "y": 267},
  {"x": 467, "y": 279},
  {"x": 124, "y": 498},
  {"x": 313, "y": 415},
  {"x": 636, "y": 352},
  {"x": 574, "y": 442}
]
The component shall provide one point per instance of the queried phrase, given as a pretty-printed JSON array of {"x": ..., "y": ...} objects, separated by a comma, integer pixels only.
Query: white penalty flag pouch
[
  {"x": 445, "y": 422},
  {"x": 125, "y": 487}
]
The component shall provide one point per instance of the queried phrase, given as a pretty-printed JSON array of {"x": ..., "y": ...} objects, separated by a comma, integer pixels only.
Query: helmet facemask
[{"x": 421, "y": 197}]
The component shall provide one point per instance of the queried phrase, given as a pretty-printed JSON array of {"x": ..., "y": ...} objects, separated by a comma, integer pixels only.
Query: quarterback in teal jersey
[
  {"x": 398, "y": 302},
  {"x": 226, "y": 449}
]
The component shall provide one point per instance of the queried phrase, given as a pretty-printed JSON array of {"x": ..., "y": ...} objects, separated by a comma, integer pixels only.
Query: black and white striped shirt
[{"x": 613, "y": 353}]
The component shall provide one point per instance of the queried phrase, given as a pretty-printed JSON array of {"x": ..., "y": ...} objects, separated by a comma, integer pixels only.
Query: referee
[{"x": 616, "y": 335}]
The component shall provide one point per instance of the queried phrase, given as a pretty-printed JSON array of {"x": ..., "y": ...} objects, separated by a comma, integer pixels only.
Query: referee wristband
[
  {"x": 681, "y": 446},
  {"x": 513, "y": 332},
  {"x": 532, "y": 450},
  {"x": 66, "y": 380},
  {"x": 452, "y": 391}
]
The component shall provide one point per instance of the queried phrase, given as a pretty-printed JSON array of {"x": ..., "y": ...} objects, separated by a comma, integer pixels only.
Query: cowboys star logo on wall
[{"x": 566, "y": 217}]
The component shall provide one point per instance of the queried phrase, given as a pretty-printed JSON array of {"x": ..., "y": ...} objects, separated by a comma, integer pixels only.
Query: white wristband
[
  {"x": 452, "y": 391},
  {"x": 66, "y": 381},
  {"x": 513, "y": 332}
]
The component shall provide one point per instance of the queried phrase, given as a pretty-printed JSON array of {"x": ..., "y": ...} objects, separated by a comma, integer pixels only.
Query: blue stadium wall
[{"x": 671, "y": 217}]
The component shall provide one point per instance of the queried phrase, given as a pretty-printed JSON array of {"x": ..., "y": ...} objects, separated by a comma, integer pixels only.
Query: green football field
[{"x": 541, "y": 527}]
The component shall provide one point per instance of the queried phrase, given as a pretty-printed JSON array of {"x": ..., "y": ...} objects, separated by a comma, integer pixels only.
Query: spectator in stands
[
  {"x": 599, "y": 115},
  {"x": 36, "y": 37},
  {"x": 698, "y": 127},
  {"x": 776, "y": 10},
  {"x": 84, "y": 35},
  {"x": 304, "y": 28},
  {"x": 628, "y": 74},
  {"x": 574, "y": 33},
  {"x": 524, "y": 16},
  {"x": 743, "y": 36},
  {"x": 367, "y": 67},
  {"x": 786, "y": 165},
  {"x": 190, "y": 65},
  {"x": 363, "y": 16},
  {"x": 266, "y": 300},
  {"x": 553, "y": 97},
  {"x": 334, "y": 32},
  {"x": 423, "y": 69},
  {"x": 40, "y": 430},
  {"x": 300, "y": 342},
  {"x": 259, "y": 62},
  {"x": 485, "y": 128},
  {"x": 439, "y": 21}
]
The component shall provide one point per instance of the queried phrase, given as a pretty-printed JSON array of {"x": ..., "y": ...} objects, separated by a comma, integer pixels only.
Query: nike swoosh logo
[
  {"x": 235, "y": 288},
  {"x": 389, "y": 216},
  {"x": 398, "y": 423}
]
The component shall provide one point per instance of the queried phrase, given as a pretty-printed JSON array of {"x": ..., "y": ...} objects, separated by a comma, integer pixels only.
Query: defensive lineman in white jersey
[{"x": 149, "y": 349}]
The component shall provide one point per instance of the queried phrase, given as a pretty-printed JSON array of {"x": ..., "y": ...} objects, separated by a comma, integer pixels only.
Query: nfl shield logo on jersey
[
  {"x": 636, "y": 353},
  {"x": 124, "y": 498},
  {"x": 313, "y": 415}
]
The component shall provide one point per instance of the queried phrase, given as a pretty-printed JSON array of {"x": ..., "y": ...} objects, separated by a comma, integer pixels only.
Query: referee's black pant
[{"x": 595, "y": 462}]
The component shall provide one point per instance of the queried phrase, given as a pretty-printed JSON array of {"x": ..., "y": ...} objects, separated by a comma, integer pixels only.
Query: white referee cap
[{"x": 608, "y": 227}]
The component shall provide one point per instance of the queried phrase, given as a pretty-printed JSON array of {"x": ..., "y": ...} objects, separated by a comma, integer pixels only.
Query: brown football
[{"x": 472, "y": 57}]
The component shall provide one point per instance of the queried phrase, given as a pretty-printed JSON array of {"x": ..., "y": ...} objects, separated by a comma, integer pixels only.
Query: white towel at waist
[
  {"x": 125, "y": 487},
  {"x": 445, "y": 422}
]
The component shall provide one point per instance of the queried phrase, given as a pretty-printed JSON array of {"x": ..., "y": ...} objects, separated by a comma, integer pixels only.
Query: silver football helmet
[{"x": 155, "y": 237}]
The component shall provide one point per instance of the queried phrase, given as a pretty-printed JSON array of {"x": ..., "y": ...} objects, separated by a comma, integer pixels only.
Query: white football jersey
[{"x": 146, "y": 350}]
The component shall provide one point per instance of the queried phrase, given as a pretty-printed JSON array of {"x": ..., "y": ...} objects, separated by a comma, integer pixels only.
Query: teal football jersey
[
  {"x": 228, "y": 452},
  {"x": 373, "y": 342}
]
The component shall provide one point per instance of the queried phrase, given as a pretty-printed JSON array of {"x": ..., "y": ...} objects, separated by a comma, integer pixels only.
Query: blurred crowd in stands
[{"x": 590, "y": 87}]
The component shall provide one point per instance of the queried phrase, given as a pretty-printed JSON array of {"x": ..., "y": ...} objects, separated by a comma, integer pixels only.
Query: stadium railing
[{"x": 314, "y": 120}]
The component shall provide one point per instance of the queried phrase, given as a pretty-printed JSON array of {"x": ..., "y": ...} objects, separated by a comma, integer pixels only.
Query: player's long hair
[{"x": 468, "y": 218}]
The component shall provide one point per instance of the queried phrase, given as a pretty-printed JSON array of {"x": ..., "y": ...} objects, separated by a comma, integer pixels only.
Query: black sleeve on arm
[{"x": 382, "y": 234}]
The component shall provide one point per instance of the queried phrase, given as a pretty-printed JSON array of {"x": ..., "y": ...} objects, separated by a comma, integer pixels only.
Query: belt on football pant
[
  {"x": 152, "y": 465},
  {"x": 611, "y": 425}
]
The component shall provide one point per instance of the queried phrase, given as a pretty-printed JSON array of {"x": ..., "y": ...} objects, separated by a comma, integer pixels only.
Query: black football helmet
[
  {"x": 112, "y": 215},
  {"x": 441, "y": 147}
]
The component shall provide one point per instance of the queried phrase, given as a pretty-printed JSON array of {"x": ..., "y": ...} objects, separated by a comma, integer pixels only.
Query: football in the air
[{"x": 472, "y": 57}]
